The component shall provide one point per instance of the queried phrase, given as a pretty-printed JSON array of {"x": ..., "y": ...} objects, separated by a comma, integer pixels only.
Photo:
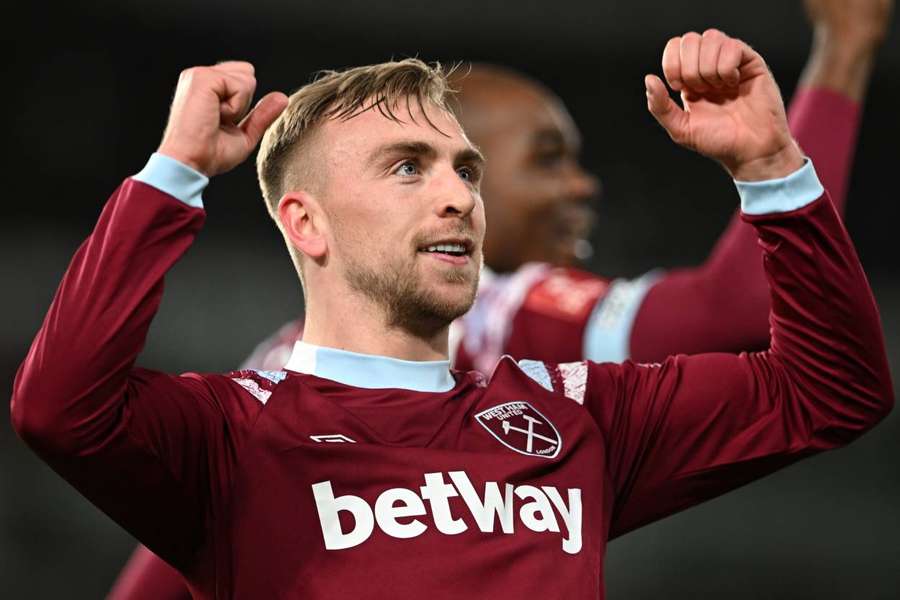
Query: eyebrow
[
  {"x": 468, "y": 155},
  {"x": 553, "y": 136},
  {"x": 556, "y": 137}
]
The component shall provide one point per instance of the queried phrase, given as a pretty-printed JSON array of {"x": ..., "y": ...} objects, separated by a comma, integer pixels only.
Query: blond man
[{"x": 367, "y": 468}]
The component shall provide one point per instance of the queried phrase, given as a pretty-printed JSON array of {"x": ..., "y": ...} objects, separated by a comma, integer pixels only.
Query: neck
[{"x": 348, "y": 322}]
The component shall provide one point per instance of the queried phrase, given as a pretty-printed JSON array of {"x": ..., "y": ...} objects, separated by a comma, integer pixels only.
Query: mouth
[
  {"x": 573, "y": 225},
  {"x": 456, "y": 251}
]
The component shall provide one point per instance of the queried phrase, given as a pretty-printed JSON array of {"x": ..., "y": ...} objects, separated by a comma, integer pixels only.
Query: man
[
  {"x": 313, "y": 481},
  {"x": 538, "y": 191}
]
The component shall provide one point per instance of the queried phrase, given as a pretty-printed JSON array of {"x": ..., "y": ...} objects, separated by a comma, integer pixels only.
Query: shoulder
[
  {"x": 258, "y": 384},
  {"x": 567, "y": 379}
]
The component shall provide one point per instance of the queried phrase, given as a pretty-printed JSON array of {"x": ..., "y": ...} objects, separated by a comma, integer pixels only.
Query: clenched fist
[
  {"x": 210, "y": 128},
  {"x": 731, "y": 110}
]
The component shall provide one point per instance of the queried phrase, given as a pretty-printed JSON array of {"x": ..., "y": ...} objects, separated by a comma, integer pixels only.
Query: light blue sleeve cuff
[
  {"x": 789, "y": 193},
  {"x": 174, "y": 178}
]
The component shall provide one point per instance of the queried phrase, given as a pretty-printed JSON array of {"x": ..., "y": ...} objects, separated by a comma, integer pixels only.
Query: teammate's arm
[
  {"x": 148, "y": 577},
  {"x": 693, "y": 427},
  {"x": 140, "y": 444},
  {"x": 723, "y": 304}
]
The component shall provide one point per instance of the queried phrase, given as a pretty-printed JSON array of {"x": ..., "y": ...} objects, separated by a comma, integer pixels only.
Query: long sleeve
[
  {"x": 694, "y": 427},
  {"x": 151, "y": 450},
  {"x": 147, "y": 577},
  {"x": 722, "y": 305}
]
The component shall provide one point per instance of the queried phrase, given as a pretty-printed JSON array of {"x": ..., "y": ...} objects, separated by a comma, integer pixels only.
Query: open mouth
[{"x": 456, "y": 251}]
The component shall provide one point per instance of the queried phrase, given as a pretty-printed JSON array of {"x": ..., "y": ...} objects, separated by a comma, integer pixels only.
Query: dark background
[{"x": 87, "y": 94}]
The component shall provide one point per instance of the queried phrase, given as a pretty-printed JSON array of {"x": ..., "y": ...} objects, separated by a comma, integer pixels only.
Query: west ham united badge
[{"x": 520, "y": 427}]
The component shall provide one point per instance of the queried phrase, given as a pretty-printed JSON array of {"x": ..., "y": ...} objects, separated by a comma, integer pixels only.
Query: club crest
[{"x": 520, "y": 427}]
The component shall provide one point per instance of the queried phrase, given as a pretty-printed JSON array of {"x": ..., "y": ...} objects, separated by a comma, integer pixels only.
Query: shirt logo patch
[{"x": 522, "y": 428}]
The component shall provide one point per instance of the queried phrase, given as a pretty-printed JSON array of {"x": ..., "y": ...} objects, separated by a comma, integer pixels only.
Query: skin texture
[
  {"x": 731, "y": 112},
  {"x": 211, "y": 128},
  {"x": 392, "y": 190}
]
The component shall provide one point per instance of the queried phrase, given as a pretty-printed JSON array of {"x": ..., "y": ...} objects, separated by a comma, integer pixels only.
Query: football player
[
  {"x": 359, "y": 468},
  {"x": 533, "y": 302}
]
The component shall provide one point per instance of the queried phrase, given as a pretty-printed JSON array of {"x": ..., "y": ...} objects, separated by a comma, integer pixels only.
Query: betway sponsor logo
[{"x": 540, "y": 509}]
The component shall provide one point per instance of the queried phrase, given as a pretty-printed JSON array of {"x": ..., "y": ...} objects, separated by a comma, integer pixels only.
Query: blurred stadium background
[{"x": 87, "y": 91}]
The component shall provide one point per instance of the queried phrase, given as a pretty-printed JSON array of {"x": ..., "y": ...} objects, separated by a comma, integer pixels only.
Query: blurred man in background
[{"x": 532, "y": 300}]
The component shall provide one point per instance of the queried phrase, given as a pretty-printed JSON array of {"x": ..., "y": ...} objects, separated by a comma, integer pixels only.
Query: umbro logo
[{"x": 332, "y": 437}]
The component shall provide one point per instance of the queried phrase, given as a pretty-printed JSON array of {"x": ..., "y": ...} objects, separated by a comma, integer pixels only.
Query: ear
[{"x": 304, "y": 223}]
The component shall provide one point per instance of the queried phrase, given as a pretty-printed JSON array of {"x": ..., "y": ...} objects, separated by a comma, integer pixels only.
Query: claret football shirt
[{"x": 355, "y": 476}]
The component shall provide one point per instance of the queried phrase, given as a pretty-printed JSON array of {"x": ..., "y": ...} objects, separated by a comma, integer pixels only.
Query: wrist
[
  {"x": 774, "y": 166},
  {"x": 849, "y": 42},
  {"x": 179, "y": 154},
  {"x": 175, "y": 178},
  {"x": 786, "y": 194},
  {"x": 840, "y": 63}
]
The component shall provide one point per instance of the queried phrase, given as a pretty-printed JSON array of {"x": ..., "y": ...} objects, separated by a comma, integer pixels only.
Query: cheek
[
  {"x": 479, "y": 219},
  {"x": 354, "y": 233},
  {"x": 523, "y": 187}
]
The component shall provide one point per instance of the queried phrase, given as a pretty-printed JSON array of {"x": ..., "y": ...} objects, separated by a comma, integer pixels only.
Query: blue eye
[
  {"x": 470, "y": 174},
  {"x": 407, "y": 169}
]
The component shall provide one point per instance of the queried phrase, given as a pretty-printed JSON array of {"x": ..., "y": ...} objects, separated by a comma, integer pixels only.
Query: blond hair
[{"x": 341, "y": 95}]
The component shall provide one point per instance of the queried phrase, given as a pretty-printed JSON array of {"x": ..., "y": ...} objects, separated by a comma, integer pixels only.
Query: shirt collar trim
[{"x": 370, "y": 371}]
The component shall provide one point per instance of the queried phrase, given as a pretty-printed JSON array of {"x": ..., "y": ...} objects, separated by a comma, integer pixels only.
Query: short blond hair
[{"x": 341, "y": 95}]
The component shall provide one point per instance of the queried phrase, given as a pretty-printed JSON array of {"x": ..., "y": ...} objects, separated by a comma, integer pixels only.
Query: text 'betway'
[{"x": 537, "y": 509}]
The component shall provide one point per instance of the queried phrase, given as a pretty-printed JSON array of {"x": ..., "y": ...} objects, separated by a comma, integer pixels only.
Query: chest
[{"x": 440, "y": 494}]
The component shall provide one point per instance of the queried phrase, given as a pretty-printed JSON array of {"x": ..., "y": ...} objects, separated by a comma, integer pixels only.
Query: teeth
[{"x": 447, "y": 248}]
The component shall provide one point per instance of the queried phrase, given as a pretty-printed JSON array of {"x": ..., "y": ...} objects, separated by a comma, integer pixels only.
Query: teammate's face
[
  {"x": 538, "y": 198},
  {"x": 406, "y": 215}
]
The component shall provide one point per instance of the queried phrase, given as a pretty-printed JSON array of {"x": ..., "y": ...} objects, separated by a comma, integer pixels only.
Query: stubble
[{"x": 405, "y": 299}]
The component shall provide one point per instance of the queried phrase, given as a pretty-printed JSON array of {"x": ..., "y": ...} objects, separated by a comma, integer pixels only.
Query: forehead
[
  {"x": 358, "y": 136},
  {"x": 516, "y": 109}
]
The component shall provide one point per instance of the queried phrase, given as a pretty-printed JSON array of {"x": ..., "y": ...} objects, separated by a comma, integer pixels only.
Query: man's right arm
[
  {"x": 148, "y": 448},
  {"x": 131, "y": 440},
  {"x": 148, "y": 577}
]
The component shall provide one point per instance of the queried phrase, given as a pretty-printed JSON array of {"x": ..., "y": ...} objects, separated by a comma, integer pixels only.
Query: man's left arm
[
  {"x": 722, "y": 305},
  {"x": 693, "y": 427}
]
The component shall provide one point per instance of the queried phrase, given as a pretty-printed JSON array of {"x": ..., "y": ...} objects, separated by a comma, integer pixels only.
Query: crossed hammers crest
[{"x": 529, "y": 433}]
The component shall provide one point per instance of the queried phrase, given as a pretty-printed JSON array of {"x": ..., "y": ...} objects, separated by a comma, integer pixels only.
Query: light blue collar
[{"x": 370, "y": 371}]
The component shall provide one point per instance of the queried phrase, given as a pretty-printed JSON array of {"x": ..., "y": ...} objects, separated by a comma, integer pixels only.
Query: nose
[
  {"x": 456, "y": 197},
  {"x": 584, "y": 185}
]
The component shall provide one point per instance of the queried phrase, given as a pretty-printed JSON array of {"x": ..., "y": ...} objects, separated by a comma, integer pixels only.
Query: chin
[
  {"x": 429, "y": 310},
  {"x": 456, "y": 302},
  {"x": 451, "y": 300}
]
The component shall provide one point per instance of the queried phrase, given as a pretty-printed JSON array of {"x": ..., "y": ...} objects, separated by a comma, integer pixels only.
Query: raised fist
[
  {"x": 731, "y": 110},
  {"x": 210, "y": 128}
]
